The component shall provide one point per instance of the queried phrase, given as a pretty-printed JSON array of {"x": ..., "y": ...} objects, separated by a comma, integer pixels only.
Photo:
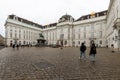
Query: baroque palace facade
[{"x": 101, "y": 27}]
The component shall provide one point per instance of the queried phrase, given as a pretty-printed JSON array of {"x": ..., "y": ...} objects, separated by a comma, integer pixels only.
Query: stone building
[
  {"x": 21, "y": 31},
  {"x": 73, "y": 32},
  {"x": 113, "y": 24},
  {"x": 101, "y": 27},
  {"x": 2, "y": 40}
]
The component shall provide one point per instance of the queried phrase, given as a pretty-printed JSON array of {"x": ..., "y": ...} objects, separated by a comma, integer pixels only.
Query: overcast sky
[{"x": 48, "y": 11}]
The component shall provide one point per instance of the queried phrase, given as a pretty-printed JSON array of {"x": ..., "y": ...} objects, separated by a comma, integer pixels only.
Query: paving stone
[{"x": 56, "y": 64}]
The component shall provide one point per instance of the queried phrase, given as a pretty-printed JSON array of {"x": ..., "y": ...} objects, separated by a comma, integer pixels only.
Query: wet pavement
[
  {"x": 56, "y": 64},
  {"x": 1, "y": 47}
]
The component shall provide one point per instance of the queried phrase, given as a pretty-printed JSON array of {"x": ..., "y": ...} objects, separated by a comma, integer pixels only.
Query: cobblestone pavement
[
  {"x": 1, "y": 47},
  {"x": 56, "y": 64}
]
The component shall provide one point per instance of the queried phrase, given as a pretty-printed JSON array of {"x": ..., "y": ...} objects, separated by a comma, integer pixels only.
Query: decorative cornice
[{"x": 21, "y": 24}]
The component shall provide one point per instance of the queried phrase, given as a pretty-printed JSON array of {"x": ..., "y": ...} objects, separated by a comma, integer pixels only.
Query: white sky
[{"x": 48, "y": 11}]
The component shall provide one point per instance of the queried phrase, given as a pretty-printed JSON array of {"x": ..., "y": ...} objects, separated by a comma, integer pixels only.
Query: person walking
[
  {"x": 93, "y": 52},
  {"x": 112, "y": 46},
  {"x": 13, "y": 46},
  {"x": 82, "y": 51},
  {"x": 17, "y": 46}
]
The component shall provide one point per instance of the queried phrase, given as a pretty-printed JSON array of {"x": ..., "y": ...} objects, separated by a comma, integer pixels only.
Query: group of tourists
[
  {"x": 92, "y": 51},
  {"x": 15, "y": 46}
]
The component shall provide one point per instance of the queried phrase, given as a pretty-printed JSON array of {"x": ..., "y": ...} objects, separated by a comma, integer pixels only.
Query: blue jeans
[
  {"x": 82, "y": 54},
  {"x": 92, "y": 57}
]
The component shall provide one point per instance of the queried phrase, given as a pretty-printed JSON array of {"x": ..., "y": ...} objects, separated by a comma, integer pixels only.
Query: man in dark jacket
[
  {"x": 82, "y": 51},
  {"x": 93, "y": 52}
]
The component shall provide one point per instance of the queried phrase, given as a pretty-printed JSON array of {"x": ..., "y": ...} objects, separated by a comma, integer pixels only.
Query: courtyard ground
[{"x": 47, "y": 63}]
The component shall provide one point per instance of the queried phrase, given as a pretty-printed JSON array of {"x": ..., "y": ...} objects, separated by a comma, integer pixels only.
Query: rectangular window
[
  {"x": 61, "y": 36},
  {"x": 50, "y": 35},
  {"x": 15, "y": 35},
  {"x": 29, "y": 35},
  {"x": 100, "y": 42},
  {"x": 92, "y": 35},
  {"x": 19, "y": 33},
  {"x": 78, "y": 42},
  {"x": 10, "y": 33},
  {"x": 68, "y": 35},
  {"x": 84, "y": 29},
  {"x": 53, "y": 35},
  {"x": 100, "y": 34},
  {"x": 79, "y": 34},
  {"x": 24, "y": 34},
  {"x": 84, "y": 34}
]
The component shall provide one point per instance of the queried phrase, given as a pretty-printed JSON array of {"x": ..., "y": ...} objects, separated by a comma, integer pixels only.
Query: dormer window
[
  {"x": 16, "y": 18},
  {"x": 98, "y": 15},
  {"x": 11, "y": 16},
  {"x": 92, "y": 16},
  {"x": 88, "y": 17},
  {"x": 105, "y": 13},
  {"x": 19, "y": 19}
]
